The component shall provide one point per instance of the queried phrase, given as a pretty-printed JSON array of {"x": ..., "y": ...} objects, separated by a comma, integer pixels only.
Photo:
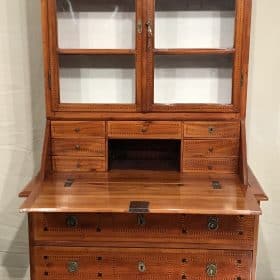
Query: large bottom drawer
[{"x": 60, "y": 263}]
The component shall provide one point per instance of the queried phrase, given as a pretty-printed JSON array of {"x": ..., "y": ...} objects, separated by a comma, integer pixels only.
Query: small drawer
[
  {"x": 220, "y": 165},
  {"x": 77, "y": 147},
  {"x": 145, "y": 129},
  {"x": 78, "y": 164},
  {"x": 211, "y": 148},
  {"x": 135, "y": 263},
  {"x": 211, "y": 130},
  {"x": 223, "y": 231},
  {"x": 77, "y": 129}
]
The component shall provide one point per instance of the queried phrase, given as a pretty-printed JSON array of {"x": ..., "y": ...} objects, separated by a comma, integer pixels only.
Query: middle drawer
[
  {"x": 78, "y": 147},
  {"x": 226, "y": 231},
  {"x": 211, "y": 148}
]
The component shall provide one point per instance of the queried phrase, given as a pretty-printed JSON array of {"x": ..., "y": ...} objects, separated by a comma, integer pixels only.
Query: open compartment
[{"x": 144, "y": 154}]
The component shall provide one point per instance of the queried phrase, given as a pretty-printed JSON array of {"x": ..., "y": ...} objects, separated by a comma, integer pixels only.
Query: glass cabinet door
[
  {"x": 193, "y": 53},
  {"x": 96, "y": 54}
]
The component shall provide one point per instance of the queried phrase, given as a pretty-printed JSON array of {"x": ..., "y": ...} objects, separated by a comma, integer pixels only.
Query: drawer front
[
  {"x": 235, "y": 231},
  {"x": 77, "y": 129},
  {"x": 77, "y": 164},
  {"x": 145, "y": 129},
  {"x": 220, "y": 165},
  {"x": 211, "y": 148},
  {"x": 77, "y": 147},
  {"x": 89, "y": 263},
  {"x": 211, "y": 130}
]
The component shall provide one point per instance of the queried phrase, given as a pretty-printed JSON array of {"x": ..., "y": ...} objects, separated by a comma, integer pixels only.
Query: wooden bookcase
[{"x": 144, "y": 171}]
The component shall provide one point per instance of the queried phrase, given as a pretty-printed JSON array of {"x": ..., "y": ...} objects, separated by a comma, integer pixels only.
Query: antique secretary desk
[{"x": 144, "y": 172}]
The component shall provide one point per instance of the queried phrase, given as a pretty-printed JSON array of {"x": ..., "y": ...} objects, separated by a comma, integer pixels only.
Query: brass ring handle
[
  {"x": 71, "y": 221},
  {"x": 72, "y": 266},
  {"x": 211, "y": 270},
  {"x": 213, "y": 223}
]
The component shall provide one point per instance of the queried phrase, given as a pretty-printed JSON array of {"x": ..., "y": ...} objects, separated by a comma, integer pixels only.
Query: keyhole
[{"x": 141, "y": 267}]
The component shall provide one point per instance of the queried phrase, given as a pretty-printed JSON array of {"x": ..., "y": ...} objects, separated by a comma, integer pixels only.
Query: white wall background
[{"x": 22, "y": 123}]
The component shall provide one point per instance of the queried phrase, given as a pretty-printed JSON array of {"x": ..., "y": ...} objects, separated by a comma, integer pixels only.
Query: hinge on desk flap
[
  {"x": 216, "y": 185},
  {"x": 139, "y": 207},
  {"x": 68, "y": 183}
]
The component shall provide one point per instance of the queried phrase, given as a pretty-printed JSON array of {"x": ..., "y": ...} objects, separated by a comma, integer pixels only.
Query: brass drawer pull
[
  {"x": 78, "y": 147},
  {"x": 77, "y": 129},
  {"x": 72, "y": 266},
  {"x": 141, "y": 266},
  {"x": 71, "y": 221},
  {"x": 213, "y": 223},
  {"x": 211, "y": 149},
  {"x": 211, "y": 270}
]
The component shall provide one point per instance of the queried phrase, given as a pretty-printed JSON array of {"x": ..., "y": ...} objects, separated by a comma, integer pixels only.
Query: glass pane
[
  {"x": 100, "y": 79},
  {"x": 194, "y": 23},
  {"x": 96, "y": 24},
  {"x": 193, "y": 79}
]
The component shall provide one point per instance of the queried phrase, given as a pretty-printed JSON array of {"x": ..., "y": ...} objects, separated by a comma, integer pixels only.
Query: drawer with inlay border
[
  {"x": 79, "y": 147},
  {"x": 211, "y": 129},
  {"x": 168, "y": 229},
  {"x": 78, "y": 164},
  {"x": 211, "y": 148},
  {"x": 89, "y": 263},
  {"x": 77, "y": 129}
]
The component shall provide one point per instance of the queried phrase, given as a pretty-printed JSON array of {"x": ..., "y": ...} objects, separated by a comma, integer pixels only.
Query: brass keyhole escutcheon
[
  {"x": 213, "y": 223},
  {"x": 141, "y": 266},
  {"x": 211, "y": 129},
  {"x": 72, "y": 266},
  {"x": 71, "y": 221},
  {"x": 211, "y": 270}
]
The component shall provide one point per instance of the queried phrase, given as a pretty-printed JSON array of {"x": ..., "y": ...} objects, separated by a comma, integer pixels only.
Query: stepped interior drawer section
[
  {"x": 145, "y": 129},
  {"x": 76, "y": 147},
  {"x": 78, "y": 164},
  {"x": 78, "y": 129},
  {"x": 128, "y": 263},
  {"x": 211, "y": 130},
  {"x": 228, "y": 231}
]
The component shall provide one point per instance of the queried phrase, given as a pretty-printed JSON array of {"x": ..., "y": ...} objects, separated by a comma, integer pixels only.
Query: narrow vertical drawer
[
  {"x": 211, "y": 129},
  {"x": 211, "y": 148},
  {"x": 77, "y": 129},
  {"x": 78, "y": 164},
  {"x": 78, "y": 147}
]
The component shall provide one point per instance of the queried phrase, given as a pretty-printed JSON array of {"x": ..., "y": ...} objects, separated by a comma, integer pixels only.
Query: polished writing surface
[{"x": 167, "y": 192}]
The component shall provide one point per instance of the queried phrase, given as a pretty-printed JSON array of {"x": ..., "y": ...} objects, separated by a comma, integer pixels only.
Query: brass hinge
[{"x": 49, "y": 81}]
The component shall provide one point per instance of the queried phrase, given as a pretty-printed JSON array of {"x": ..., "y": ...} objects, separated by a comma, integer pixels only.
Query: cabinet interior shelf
[
  {"x": 194, "y": 51},
  {"x": 96, "y": 51}
]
